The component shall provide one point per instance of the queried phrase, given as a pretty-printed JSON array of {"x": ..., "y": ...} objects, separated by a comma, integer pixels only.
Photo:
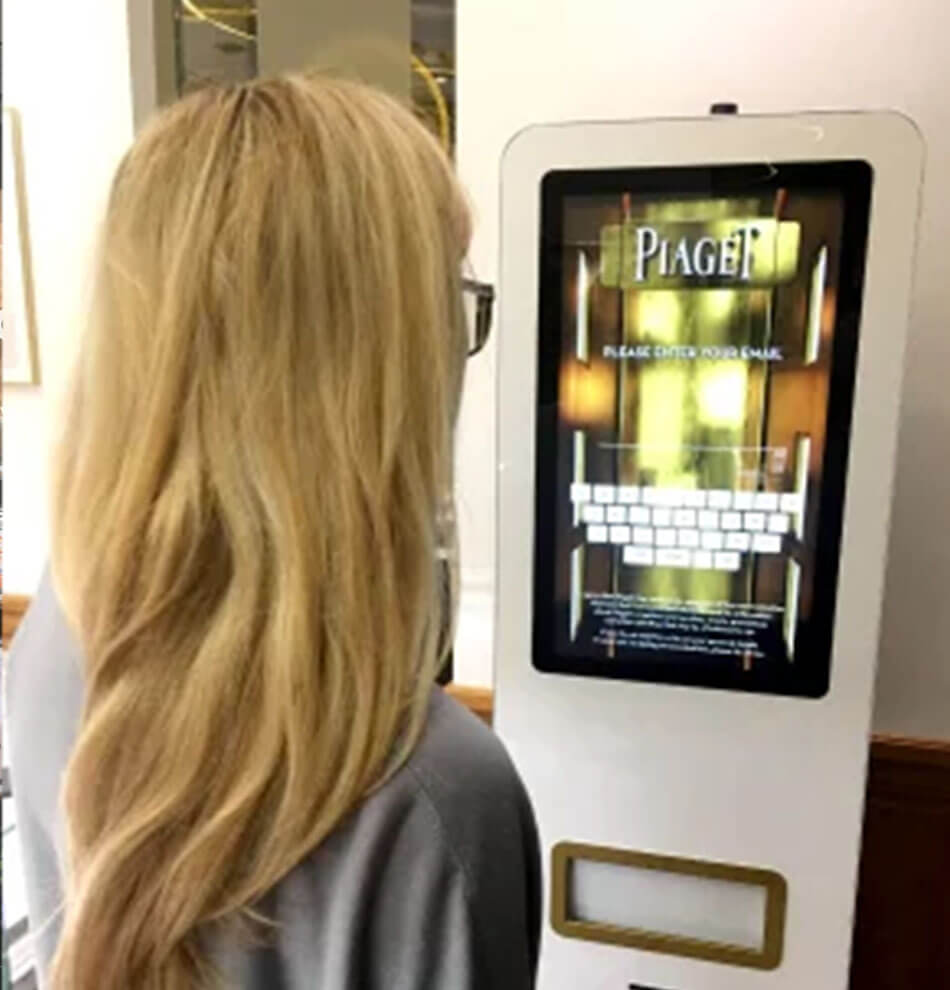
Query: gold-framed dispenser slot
[{"x": 719, "y": 912}]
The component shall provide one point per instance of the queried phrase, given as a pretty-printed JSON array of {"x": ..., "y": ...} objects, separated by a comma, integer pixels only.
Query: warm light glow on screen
[{"x": 696, "y": 342}]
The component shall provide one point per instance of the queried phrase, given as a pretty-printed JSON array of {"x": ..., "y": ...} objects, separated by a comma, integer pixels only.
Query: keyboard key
[
  {"x": 688, "y": 538},
  {"x": 639, "y": 556},
  {"x": 604, "y": 493},
  {"x": 731, "y": 520},
  {"x": 619, "y": 534},
  {"x": 643, "y": 535},
  {"x": 592, "y": 513},
  {"x": 662, "y": 517},
  {"x": 694, "y": 498},
  {"x": 742, "y": 500},
  {"x": 651, "y": 496},
  {"x": 708, "y": 519},
  {"x": 666, "y": 537},
  {"x": 703, "y": 560},
  {"x": 727, "y": 561},
  {"x": 674, "y": 497},
  {"x": 639, "y": 514},
  {"x": 674, "y": 558},
  {"x": 628, "y": 494},
  {"x": 685, "y": 518},
  {"x": 719, "y": 499},
  {"x": 712, "y": 540},
  {"x": 738, "y": 541},
  {"x": 766, "y": 543},
  {"x": 580, "y": 492},
  {"x": 616, "y": 513},
  {"x": 766, "y": 501},
  {"x": 755, "y": 522},
  {"x": 791, "y": 502},
  {"x": 596, "y": 534},
  {"x": 778, "y": 523}
]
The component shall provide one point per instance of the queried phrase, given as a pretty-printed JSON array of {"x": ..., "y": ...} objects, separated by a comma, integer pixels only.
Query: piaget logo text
[{"x": 729, "y": 253}]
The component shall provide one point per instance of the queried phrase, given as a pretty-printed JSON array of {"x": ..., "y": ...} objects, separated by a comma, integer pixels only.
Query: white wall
[
  {"x": 525, "y": 61},
  {"x": 66, "y": 69}
]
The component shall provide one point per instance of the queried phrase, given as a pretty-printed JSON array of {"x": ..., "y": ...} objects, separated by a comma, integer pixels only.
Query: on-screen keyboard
[{"x": 706, "y": 529}]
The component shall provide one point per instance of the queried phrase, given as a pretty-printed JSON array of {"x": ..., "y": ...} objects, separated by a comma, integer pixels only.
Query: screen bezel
[{"x": 810, "y": 675}]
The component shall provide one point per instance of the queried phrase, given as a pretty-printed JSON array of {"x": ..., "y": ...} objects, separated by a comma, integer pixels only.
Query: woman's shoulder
[
  {"x": 462, "y": 767},
  {"x": 462, "y": 778},
  {"x": 457, "y": 800},
  {"x": 443, "y": 856},
  {"x": 463, "y": 772},
  {"x": 459, "y": 794}
]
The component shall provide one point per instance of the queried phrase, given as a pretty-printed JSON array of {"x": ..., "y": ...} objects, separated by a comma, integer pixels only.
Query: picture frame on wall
[{"x": 17, "y": 309}]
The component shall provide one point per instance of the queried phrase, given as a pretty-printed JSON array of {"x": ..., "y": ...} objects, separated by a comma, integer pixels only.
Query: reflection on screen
[{"x": 696, "y": 351}]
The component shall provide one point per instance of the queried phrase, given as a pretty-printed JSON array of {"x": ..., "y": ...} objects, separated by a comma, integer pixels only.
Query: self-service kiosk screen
[{"x": 699, "y": 330}]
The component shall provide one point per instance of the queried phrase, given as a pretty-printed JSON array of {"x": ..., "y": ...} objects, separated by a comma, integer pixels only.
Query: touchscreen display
[{"x": 698, "y": 341}]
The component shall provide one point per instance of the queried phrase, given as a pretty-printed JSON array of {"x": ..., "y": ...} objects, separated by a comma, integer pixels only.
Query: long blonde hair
[{"x": 247, "y": 506}]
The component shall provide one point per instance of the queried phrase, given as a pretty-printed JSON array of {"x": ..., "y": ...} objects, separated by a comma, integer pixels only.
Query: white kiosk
[{"x": 701, "y": 334}]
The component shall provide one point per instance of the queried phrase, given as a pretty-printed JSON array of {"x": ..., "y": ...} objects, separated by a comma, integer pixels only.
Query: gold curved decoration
[
  {"x": 201, "y": 15},
  {"x": 438, "y": 98}
]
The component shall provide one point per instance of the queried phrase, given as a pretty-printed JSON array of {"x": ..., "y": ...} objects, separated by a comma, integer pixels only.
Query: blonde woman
[{"x": 230, "y": 765}]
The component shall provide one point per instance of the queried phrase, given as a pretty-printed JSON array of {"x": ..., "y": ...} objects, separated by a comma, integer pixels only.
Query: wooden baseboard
[
  {"x": 480, "y": 701},
  {"x": 902, "y": 921},
  {"x": 14, "y": 608},
  {"x": 903, "y": 909},
  {"x": 896, "y": 751}
]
